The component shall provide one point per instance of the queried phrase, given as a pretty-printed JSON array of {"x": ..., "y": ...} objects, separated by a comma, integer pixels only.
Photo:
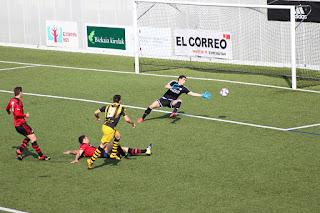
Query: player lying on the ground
[
  {"x": 170, "y": 98},
  {"x": 87, "y": 150}
]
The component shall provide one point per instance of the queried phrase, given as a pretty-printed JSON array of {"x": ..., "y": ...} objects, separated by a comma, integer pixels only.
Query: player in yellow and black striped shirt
[{"x": 112, "y": 115}]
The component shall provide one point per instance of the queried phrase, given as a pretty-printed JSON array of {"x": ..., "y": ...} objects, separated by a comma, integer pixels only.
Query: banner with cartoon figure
[{"x": 62, "y": 34}]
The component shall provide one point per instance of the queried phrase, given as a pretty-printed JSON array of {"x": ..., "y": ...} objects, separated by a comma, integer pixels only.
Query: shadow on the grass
[
  {"x": 166, "y": 116},
  {"x": 178, "y": 118},
  {"x": 114, "y": 162},
  {"x": 26, "y": 152},
  {"x": 222, "y": 116},
  {"x": 108, "y": 161}
]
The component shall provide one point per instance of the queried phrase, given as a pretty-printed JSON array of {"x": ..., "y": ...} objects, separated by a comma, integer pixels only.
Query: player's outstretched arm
[
  {"x": 73, "y": 152},
  {"x": 130, "y": 121},
  {"x": 205, "y": 95},
  {"x": 96, "y": 114},
  {"x": 78, "y": 155},
  {"x": 194, "y": 94}
]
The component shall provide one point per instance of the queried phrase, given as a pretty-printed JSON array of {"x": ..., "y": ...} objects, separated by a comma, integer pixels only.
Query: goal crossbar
[{"x": 219, "y": 4}]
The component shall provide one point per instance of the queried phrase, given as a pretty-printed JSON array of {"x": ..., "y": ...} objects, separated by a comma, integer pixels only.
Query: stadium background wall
[{"x": 28, "y": 23}]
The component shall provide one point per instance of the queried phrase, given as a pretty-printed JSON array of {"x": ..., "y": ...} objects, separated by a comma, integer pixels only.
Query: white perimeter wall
[{"x": 23, "y": 22}]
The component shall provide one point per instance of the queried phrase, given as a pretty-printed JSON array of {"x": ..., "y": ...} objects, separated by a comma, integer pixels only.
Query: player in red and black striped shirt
[
  {"x": 16, "y": 107},
  {"x": 87, "y": 150}
]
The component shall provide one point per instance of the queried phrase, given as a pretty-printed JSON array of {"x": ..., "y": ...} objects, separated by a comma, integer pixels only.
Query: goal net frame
[{"x": 292, "y": 21}]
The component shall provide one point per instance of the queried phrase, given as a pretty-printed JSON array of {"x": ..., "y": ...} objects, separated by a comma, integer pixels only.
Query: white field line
[
  {"x": 14, "y": 68},
  {"x": 10, "y": 210},
  {"x": 168, "y": 76},
  {"x": 143, "y": 108},
  {"x": 302, "y": 127}
]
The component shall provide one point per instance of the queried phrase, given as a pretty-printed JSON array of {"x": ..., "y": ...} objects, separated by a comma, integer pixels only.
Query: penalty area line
[
  {"x": 10, "y": 210},
  {"x": 308, "y": 133},
  {"x": 157, "y": 75},
  {"x": 15, "y": 68},
  {"x": 303, "y": 127},
  {"x": 155, "y": 110},
  {"x": 162, "y": 111}
]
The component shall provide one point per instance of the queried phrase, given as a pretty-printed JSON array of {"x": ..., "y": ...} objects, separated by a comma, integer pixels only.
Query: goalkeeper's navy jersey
[
  {"x": 112, "y": 114},
  {"x": 175, "y": 93}
]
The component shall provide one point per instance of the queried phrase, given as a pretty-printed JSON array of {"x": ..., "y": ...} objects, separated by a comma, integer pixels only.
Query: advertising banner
[
  {"x": 306, "y": 11},
  {"x": 203, "y": 43},
  {"x": 155, "y": 42},
  {"x": 62, "y": 34},
  {"x": 106, "y": 37}
]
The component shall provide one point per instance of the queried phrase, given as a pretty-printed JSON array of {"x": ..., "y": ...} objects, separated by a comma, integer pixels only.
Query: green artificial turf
[{"x": 248, "y": 163}]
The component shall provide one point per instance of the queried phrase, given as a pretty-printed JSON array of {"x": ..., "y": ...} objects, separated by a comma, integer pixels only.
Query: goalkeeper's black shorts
[{"x": 164, "y": 102}]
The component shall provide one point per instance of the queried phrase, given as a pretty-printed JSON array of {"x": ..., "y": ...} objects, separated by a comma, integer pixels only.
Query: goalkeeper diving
[{"x": 170, "y": 98}]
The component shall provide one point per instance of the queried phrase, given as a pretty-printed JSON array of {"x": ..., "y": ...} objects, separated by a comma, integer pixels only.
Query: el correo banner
[
  {"x": 305, "y": 11},
  {"x": 62, "y": 34},
  {"x": 203, "y": 43},
  {"x": 106, "y": 37}
]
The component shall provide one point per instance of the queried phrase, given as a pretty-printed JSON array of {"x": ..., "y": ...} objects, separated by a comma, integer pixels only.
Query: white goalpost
[{"x": 214, "y": 37}]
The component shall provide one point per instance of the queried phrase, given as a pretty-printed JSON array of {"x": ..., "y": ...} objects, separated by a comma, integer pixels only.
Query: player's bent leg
[
  {"x": 89, "y": 163},
  {"x": 32, "y": 137},
  {"x": 19, "y": 154},
  {"x": 119, "y": 148},
  {"x": 35, "y": 146},
  {"x": 148, "y": 152},
  {"x": 108, "y": 134},
  {"x": 96, "y": 154},
  {"x": 176, "y": 105},
  {"x": 115, "y": 149},
  {"x": 154, "y": 105},
  {"x": 22, "y": 148},
  {"x": 108, "y": 149},
  {"x": 115, "y": 146},
  {"x": 117, "y": 135},
  {"x": 140, "y": 120},
  {"x": 24, "y": 144},
  {"x": 173, "y": 115},
  {"x": 121, "y": 152},
  {"x": 38, "y": 150}
]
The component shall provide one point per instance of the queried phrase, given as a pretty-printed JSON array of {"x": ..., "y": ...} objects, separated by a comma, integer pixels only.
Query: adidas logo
[{"x": 300, "y": 14}]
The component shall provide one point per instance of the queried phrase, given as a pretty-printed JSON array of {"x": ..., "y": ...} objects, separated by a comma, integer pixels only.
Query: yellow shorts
[{"x": 108, "y": 134}]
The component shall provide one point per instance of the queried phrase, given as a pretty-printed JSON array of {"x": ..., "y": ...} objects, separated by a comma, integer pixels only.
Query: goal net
[{"x": 222, "y": 38}]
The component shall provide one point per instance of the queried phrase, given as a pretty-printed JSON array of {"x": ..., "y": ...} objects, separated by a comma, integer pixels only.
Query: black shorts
[
  {"x": 24, "y": 129},
  {"x": 165, "y": 102}
]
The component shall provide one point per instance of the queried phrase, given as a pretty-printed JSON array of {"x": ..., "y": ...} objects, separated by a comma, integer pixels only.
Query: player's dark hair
[
  {"x": 17, "y": 91},
  {"x": 181, "y": 76},
  {"x": 81, "y": 138},
  {"x": 116, "y": 98}
]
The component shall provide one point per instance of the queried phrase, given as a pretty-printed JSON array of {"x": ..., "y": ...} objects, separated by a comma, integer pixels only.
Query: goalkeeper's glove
[
  {"x": 175, "y": 86},
  {"x": 206, "y": 95}
]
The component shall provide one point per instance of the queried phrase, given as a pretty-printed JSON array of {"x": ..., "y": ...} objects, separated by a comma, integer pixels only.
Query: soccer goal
[{"x": 217, "y": 37}]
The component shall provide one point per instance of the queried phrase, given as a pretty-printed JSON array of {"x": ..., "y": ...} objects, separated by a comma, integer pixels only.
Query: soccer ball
[{"x": 224, "y": 92}]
